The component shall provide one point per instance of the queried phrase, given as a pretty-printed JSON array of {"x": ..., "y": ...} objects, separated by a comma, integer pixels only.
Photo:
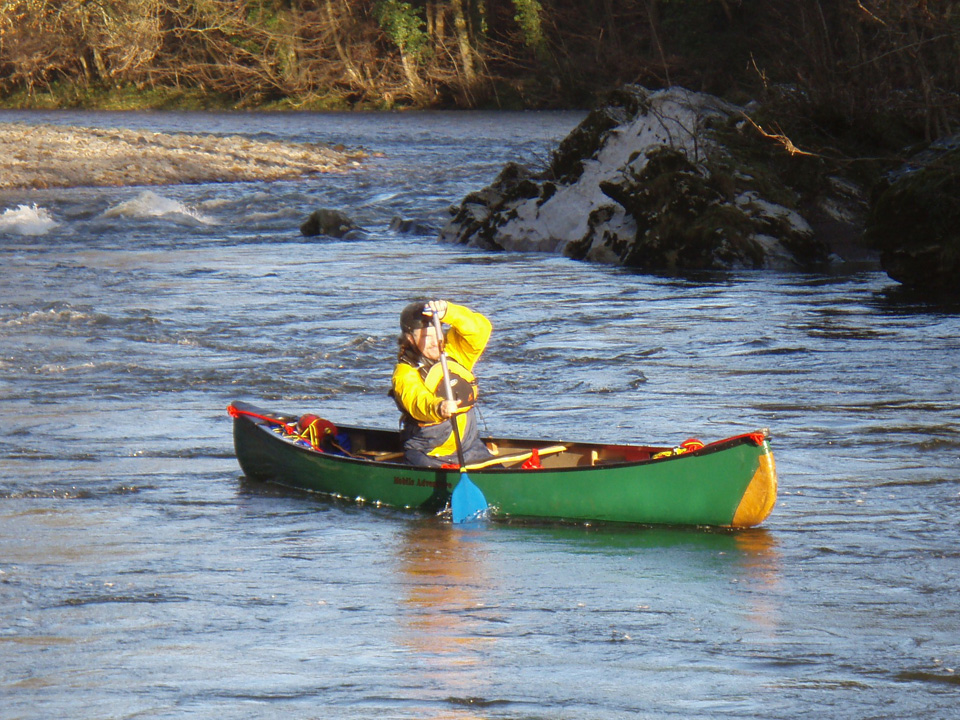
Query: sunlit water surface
[{"x": 142, "y": 576}]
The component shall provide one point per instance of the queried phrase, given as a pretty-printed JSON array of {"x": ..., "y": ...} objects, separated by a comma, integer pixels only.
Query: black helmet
[{"x": 412, "y": 317}]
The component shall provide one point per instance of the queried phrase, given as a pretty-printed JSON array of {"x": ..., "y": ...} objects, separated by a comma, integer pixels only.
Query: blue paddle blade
[{"x": 467, "y": 501}]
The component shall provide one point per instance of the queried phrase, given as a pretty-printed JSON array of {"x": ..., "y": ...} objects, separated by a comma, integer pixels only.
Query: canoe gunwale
[{"x": 718, "y": 446}]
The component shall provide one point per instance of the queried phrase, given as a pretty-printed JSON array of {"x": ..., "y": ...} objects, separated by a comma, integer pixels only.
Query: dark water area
[{"x": 142, "y": 576}]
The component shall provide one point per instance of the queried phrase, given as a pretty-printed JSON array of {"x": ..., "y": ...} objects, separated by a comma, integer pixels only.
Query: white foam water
[
  {"x": 26, "y": 220},
  {"x": 149, "y": 204}
]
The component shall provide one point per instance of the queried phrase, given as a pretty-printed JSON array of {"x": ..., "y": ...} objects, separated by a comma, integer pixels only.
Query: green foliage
[
  {"x": 404, "y": 25},
  {"x": 528, "y": 13},
  {"x": 477, "y": 10},
  {"x": 267, "y": 14}
]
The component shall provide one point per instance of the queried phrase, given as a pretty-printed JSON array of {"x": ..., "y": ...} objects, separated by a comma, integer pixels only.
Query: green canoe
[{"x": 730, "y": 483}]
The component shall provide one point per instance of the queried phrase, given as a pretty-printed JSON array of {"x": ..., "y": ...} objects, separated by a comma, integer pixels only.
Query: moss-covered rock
[
  {"x": 664, "y": 181},
  {"x": 566, "y": 162},
  {"x": 684, "y": 219},
  {"x": 914, "y": 220}
]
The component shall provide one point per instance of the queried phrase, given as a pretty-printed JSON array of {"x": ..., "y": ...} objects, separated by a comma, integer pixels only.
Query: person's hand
[
  {"x": 447, "y": 408},
  {"x": 435, "y": 307}
]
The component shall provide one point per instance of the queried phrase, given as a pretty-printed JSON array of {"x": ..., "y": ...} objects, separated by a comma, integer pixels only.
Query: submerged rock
[
  {"x": 915, "y": 221},
  {"x": 329, "y": 222},
  {"x": 411, "y": 227},
  {"x": 650, "y": 180}
]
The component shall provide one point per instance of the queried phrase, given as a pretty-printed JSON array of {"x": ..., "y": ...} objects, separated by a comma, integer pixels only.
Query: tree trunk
[
  {"x": 414, "y": 83},
  {"x": 653, "y": 15},
  {"x": 463, "y": 40},
  {"x": 348, "y": 65}
]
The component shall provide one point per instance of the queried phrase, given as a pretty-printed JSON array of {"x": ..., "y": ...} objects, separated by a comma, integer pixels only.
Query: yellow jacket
[{"x": 419, "y": 396}]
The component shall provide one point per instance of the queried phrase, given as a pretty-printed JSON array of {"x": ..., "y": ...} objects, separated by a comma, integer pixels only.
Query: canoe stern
[{"x": 761, "y": 494}]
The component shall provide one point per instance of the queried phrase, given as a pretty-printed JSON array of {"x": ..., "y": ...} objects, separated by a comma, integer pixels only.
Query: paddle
[{"x": 467, "y": 501}]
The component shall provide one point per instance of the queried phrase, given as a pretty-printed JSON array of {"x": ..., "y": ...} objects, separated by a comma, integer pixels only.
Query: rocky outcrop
[
  {"x": 662, "y": 181},
  {"x": 915, "y": 221}
]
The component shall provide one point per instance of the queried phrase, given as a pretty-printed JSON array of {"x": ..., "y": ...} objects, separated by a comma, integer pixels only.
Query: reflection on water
[
  {"x": 444, "y": 579},
  {"x": 758, "y": 554},
  {"x": 760, "y": 559},
  {"x": 755, "y": 550},
  {"x": 462, "y": 620}
]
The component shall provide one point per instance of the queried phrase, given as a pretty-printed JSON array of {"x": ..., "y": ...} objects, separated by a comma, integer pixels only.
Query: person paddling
[{"x": 417, "y": 385}]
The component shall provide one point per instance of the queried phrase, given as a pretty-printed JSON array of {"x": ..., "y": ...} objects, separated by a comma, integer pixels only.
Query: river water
[{"x": 142, "y": 576}]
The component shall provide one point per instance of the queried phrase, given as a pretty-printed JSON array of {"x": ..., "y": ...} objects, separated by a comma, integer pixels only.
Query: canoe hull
[{"x": 732, "y": 483}]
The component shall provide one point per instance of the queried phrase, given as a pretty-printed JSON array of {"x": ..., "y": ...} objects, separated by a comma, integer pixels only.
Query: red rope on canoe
[
  {"x": 309, "y": 429},
  {"x": 757, "y": 438},
  {"x": 235, "y": 412}
]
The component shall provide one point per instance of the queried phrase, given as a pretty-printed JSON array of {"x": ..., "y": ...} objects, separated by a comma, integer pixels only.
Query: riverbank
[{"x": 44, "y": 156}]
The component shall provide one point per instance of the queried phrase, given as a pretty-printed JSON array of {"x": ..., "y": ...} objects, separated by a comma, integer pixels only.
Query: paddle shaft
[{"x": 447, "y": 388}]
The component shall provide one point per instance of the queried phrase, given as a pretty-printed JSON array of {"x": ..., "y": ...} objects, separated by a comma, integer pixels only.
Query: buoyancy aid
[
  {"x": 417, "y": 387},
  {"x": 435, "y": 433}
]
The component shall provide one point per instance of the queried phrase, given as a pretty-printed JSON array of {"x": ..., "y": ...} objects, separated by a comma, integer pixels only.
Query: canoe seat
[
  {"x": 380, "y": 455},
  {"x": 507, "y": 460}
]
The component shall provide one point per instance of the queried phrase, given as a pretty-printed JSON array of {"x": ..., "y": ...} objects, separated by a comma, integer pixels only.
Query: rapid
[{"x": 142, "y": 576}]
